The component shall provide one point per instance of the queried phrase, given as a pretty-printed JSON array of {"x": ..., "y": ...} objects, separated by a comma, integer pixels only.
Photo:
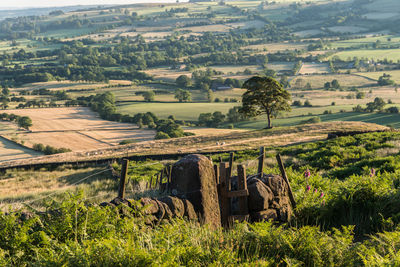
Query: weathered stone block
[
  {"x": 259, "y": 195},
  {"x": 193, "y": 178},
  {"x": 175, "y": 205}
]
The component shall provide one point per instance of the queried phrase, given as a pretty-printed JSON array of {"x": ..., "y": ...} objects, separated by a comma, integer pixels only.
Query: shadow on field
[
  {"x": 378, "y": 118},
  {"x": 85, "y": 177}
]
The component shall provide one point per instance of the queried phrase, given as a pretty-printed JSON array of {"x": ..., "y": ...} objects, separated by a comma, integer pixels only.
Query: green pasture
[
  {"x": 386, "y": 119},
  {"x": 383, "y": 5},
  {"x": 384, "y": 40},
  {"x": 67, "y": 33},
  {"x": 375, "y": 75},
  {"x": 182, "y": 111},
  {"x": 318, "y": 81},
  {"x": 375, "y": 54}
]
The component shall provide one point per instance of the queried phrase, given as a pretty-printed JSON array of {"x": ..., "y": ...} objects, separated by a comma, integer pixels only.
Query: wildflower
[
  {"x": 307, "y": 173},
  {"x": 308, "y": 188},
  {"x": 372, "y": 174},
  {"x": 315, "y": 190},
  {"x": 322, "y": 195}
]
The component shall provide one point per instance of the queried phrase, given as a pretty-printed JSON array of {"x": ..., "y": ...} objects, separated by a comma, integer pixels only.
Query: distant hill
[{"x": 21, "y": 12}]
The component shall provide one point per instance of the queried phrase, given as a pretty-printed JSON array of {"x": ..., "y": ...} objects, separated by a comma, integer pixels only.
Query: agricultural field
[
  {"x": 375, "y": 54},
  {"x": 276, "y": 47},
  {"x": 314, "y": 68},
  {"x": 183, "y": 111},
  {"x": 10, "y": 150},
  {"x": 395, "y": 75},
  {"x": 78, "y": 129}
]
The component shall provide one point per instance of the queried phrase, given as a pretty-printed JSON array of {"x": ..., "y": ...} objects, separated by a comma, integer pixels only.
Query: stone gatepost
[{"x": 193, "y": 178}]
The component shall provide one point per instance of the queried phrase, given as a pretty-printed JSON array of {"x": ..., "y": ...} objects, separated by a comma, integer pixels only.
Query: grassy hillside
[{"x": 346, "y": 215}]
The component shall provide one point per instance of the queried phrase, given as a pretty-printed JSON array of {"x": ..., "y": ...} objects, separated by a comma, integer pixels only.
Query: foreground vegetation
[{"x": 347, "y": 215}]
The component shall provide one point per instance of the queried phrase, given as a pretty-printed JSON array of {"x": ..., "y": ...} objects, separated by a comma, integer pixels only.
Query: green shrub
[
  {"x": 161, "y": 135},
  {"x": 311, "y": 120}
]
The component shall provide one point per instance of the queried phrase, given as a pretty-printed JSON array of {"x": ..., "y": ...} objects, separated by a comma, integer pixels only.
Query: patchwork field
[{"x": 76, "y": 128}]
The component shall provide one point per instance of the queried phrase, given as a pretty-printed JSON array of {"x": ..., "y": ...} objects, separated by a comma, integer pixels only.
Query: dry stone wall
[{"x": 195, "y": 196}]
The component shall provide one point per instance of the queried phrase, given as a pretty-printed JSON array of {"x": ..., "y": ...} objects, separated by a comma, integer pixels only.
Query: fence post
[
  {"x": 242, "y": 185},
  {"x": 261, "y": 160},
  {"x": 151, "y": 182},
  {"x": 216, "y": 171},
  {"x": 161, "y": 180},
  {"x": 231, "y": 157},
  {"x": 284, "y": 176},
  {"x": 122, "y": 181},
  {"x": 169, "y": 177},
  {"x": 225, "y": 187},
  {"x": 158, "y": 183}
]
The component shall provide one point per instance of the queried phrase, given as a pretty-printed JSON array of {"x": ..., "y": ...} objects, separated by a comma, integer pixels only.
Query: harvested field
[
  {"x": 10, "y": 150},
  {"x": 313, "y": 68},
  {"x": 166, "y": 73},
  {"x": 77, "y": 129}
]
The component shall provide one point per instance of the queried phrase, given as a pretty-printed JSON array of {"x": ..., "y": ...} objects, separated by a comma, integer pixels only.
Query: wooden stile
[
  {"x": 242, "y": 185},
  {"x": 231, "y": 157},
  {"x": 225, "y": 187},
  {"x": 151, "y": 182}
]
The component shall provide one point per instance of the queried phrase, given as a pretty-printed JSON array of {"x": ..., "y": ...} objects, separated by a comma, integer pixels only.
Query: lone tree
[
  {"x": 183, "y": 95},
  {"x": 24, "y": 122},
  {"x": 183, "y": 81},
  {"x": 264, "y": 95},
  {"x": 148, "y": 96},
  {"x": 377, "y": 104}
]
